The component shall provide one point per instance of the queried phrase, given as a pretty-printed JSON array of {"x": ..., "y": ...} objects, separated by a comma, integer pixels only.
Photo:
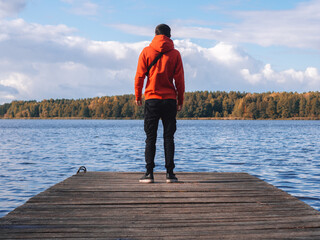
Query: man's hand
[
  {"x": 139, "y": 103},
  {"x": 179, "y": 107}
]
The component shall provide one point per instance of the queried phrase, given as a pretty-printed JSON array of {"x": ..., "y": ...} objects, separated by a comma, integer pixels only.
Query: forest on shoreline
[{"x": 200, "y": 104}]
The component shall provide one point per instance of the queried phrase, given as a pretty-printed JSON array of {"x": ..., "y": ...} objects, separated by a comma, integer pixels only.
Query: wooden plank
[{"x": 113, "y": 205}]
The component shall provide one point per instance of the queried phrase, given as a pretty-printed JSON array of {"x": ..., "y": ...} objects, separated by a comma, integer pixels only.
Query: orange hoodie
[{"x": 160, "y": 83}]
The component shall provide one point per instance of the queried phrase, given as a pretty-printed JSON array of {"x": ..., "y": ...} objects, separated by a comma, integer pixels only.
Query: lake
[{"x": 36, "y": 154}]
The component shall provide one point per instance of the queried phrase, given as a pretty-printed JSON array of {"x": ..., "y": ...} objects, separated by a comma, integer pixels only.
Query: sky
[{"x": 89, "y": 48}]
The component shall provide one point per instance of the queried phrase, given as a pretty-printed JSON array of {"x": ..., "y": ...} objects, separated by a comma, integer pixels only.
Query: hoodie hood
[{"x": 162, "y": 43}]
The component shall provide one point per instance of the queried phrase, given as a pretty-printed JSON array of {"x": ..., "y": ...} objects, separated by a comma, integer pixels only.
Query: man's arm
[
  {"x": 179, "y": 82},
  {"x": 139, "y": 78}
]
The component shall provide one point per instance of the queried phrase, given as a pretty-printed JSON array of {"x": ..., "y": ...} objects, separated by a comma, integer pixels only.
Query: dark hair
[{"x": 163, "y": 29}]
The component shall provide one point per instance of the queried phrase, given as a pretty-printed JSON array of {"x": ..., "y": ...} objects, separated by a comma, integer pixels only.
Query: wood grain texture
[{"x": 114, "y": 205}]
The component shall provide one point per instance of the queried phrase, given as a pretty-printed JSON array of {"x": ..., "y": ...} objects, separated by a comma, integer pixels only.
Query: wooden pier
[{"x": 113, "y": 205}]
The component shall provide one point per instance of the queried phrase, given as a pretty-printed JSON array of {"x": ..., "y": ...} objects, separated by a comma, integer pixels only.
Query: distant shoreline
[
  {"x": 200, "y": 118},
  {"x": 197, "y": 105}
]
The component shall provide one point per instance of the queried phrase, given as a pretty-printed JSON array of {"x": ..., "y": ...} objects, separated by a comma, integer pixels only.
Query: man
[{"x": 164, "y": 94}]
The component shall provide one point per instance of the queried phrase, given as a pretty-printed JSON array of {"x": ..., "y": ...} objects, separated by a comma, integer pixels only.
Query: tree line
[{"x": 200, "y": 104}]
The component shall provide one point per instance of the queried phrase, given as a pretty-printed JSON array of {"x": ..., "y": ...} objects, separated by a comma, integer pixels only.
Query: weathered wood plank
[{"x": 113, "y": 205}]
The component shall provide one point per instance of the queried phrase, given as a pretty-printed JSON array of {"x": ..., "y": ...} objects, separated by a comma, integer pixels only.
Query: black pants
[{"x": 166, "y": 110}]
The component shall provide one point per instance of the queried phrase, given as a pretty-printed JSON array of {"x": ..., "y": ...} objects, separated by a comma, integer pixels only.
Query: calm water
[{"x": 35, "y": 154}]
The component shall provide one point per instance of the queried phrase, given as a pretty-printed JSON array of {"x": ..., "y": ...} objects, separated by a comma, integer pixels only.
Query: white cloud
[
  {"x": 40, "y": 61},
  {"x": 177, "y": 30},
  {"x": 135, "y": 30},
  {"x": 46, "y": 61},
  {"x": 82, "y": 7},
  {"x": 228, "y": 67},
  {"x": 198, "y": 33},
  {"x": 216, "y": 68},
  {"x": 298, "y": 27},
  {"x": 289, "y": 80},
  {"x": 9, "y": 8},
  {"x": 15, "y": 83},
  {"x": 226, "y": 53},
  {"x": 19, "y": 30}
]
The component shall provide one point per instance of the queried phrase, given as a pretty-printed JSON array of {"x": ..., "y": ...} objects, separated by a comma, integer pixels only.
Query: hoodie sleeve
[
  {"x": 179, "y": 80},
  {"x": 140, "y": 76}
]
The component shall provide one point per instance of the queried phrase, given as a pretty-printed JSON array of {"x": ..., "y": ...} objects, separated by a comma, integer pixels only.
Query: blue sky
[{"x": 88, "y": 48}]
